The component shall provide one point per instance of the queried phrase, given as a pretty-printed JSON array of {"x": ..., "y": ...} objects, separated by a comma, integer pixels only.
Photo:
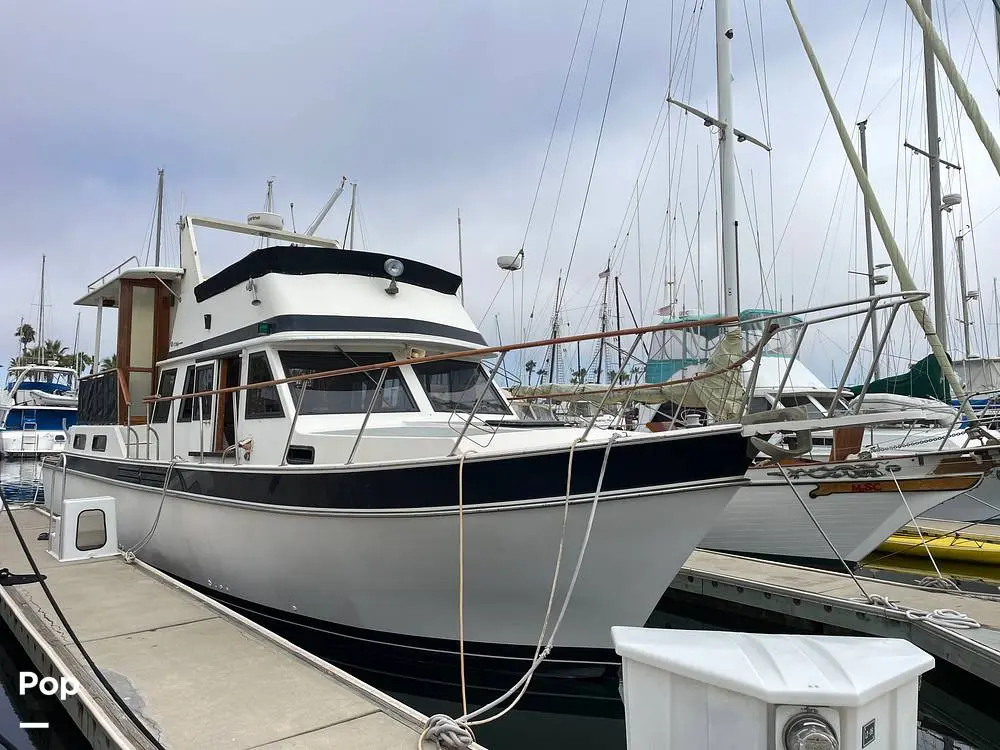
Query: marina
[{"x": 372, "y": 479}]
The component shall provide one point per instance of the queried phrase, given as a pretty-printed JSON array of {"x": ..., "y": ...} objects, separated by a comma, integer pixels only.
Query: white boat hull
[
  {"x": 18, "y": 443},
  {"x": 397, "y": 572},
  {"x": 767, "y": 518}
]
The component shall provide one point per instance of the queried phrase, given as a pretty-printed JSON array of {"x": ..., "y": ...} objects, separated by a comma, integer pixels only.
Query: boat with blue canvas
[{"x": 37, "y": 405}]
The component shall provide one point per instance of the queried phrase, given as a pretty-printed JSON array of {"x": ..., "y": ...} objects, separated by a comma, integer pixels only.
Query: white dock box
[
  {"x": 703, "y": 690},
  {"x": 86, "y": 528}
]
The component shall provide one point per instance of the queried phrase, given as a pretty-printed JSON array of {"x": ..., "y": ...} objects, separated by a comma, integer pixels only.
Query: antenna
[{"x": 291, "y": 210}]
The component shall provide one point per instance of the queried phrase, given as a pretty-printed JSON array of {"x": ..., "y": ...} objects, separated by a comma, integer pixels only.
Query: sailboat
[
  {"x": 788, "y": 511},
  {"x": 38, "y": 402}
]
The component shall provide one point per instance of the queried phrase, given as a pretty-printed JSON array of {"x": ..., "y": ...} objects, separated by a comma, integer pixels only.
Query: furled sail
[{"x": 717, "y": 388}]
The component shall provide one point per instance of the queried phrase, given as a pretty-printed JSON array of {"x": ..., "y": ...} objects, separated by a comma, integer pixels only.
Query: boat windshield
[
  {"x": 456, "y": 385},
  {"x": 49, "y": 381},
  {"x": 346, "y": 394},
  {"x": 813, "y": 403}
]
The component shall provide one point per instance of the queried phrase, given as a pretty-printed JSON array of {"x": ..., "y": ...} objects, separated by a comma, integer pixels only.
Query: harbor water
[{"x": 955, "y": 713}]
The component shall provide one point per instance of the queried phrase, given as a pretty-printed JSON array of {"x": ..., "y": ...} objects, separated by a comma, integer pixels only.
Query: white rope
[
  {"x": 129, "y": 554},
  {"x": 457, "y": 734},
  {"x": 945, "y": 618}
]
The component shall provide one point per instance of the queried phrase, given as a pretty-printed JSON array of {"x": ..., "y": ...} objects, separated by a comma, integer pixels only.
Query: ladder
[{"x": 29, "y": 434}]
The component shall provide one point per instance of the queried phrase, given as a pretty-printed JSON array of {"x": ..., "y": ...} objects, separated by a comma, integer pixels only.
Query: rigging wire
[
  {"x": 597, "y": 146},
  {"x": 548, "y": 147},
  {"x": 822, "y": 130}
]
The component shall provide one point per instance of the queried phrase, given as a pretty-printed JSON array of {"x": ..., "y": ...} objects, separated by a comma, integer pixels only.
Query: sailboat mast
[
  {"x": 868, "y": 248},
  {"x": 727, "y": 156},
  {"x": 964, "y": 287},
  {"x": 76, "y": 346},
  {"x": 618, "y": 325},
  {"x": 41, "y": 317},
  {"x": 555, "y": 331},
  {"x": 934, "y": 165},
  {"x": 461, "y": 272},
  {"x": 159, "y": 219}
]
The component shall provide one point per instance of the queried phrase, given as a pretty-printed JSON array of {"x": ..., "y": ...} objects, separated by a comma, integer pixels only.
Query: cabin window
[
  {"x": 198, "y": 378},
  {"x": 346, "y": 394},
  {"x": 79, "y": 442},
  {"x": 262, "y": 403},
  {"x": 99, "y": 443},
  {"x": 812, "y": 411},
  {"x": 161, "y": 409},
  {"x": 759, "y": 404},
  {"x": 455, "y": 385}
]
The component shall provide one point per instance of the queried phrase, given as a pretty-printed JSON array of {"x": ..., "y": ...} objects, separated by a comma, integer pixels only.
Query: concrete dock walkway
[{"x": 199, "y": 675}]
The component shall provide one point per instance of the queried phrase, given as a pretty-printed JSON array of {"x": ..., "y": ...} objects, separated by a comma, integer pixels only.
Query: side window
[
  {"x": 262, "y": 403},
  {"x": 197, "y": 378},
  {"x": 79, "y": 442},
  {"x": 99, "y": 443},
  {"x": 161, "y": 410}
]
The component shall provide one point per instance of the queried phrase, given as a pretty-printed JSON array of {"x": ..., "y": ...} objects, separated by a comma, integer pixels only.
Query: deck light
[
  {"x": 252, "y": 288},
  {"x": 394, "y": 268}
]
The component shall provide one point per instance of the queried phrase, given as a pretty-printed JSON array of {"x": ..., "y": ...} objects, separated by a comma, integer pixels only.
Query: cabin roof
[
  {"x": 296, "y": 260},
  {"x": 107, "y": 292}
]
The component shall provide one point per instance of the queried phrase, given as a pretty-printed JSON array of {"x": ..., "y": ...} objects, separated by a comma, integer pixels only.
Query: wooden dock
[
  {"x": 832, "y": 599},
  {"x": 199, "y": 675}
]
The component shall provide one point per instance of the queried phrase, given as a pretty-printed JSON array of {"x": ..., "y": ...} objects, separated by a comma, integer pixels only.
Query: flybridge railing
[
  {"x": 100, "y": 280},
  {"x": 385, "y": 366},
  {"x": 770, "y": 326}
]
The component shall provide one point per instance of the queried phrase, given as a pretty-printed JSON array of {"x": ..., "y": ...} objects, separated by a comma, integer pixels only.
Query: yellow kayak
[{"x": 950, "y": 547}]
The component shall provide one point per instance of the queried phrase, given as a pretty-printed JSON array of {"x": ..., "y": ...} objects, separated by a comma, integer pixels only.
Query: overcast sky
[{"x": 433, "y": 107}]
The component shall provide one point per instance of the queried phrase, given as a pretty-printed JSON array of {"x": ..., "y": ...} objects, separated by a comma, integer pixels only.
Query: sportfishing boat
[
  {"x": 37, "y": 405},
  {"x": 354, "y": 504}
]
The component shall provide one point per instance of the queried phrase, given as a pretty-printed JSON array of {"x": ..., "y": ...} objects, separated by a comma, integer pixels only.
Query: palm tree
[
  {"x": 541, "y": 375},
  {"x": 25, "y": 333},
  {"x": 530, "y": 367},
  {"x": 612, "y": 374},
  {"x": 636, "y": 372},
  {"x": 109, "y": 363},
  {"x": 578, "y": 376},
  {"x": 53, "y": 350}
]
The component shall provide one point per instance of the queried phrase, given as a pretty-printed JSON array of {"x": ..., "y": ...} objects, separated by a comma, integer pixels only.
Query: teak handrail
[{"x": 721, "y": 321}]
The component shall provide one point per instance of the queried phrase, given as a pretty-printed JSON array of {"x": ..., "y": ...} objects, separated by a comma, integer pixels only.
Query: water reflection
[{"x": 21, "y": 481}]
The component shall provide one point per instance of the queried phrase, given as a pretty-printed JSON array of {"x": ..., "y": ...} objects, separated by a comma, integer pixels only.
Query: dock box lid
[{"x": 779, "y": 669}]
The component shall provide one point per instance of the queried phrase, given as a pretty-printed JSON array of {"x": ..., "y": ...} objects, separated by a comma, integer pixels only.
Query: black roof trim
[{"x": 295, "y": 260}]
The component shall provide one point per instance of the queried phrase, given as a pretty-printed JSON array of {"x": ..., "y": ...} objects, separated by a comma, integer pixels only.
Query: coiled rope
[
  {"x": 945, "y": 618},
  {"x": 457, "y": 734}
]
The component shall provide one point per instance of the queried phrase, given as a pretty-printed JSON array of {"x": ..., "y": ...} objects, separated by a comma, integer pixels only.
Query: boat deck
[
  {"x": 199, "y": 675},
  {"x": 832, "y": 601}
]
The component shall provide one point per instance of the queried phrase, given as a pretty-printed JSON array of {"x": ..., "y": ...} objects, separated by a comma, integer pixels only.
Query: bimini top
[{"x": 296, "y": 260}]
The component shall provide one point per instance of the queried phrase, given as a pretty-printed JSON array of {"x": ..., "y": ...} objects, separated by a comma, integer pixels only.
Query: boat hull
[
  {"x": 31, "y": 443},
  {"x": 857, "y": 507},
  {"x": 395, "y": 570}
]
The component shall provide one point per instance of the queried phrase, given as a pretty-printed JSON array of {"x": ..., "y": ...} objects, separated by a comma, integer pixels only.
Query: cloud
[{"x": 437, "y": 106}]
